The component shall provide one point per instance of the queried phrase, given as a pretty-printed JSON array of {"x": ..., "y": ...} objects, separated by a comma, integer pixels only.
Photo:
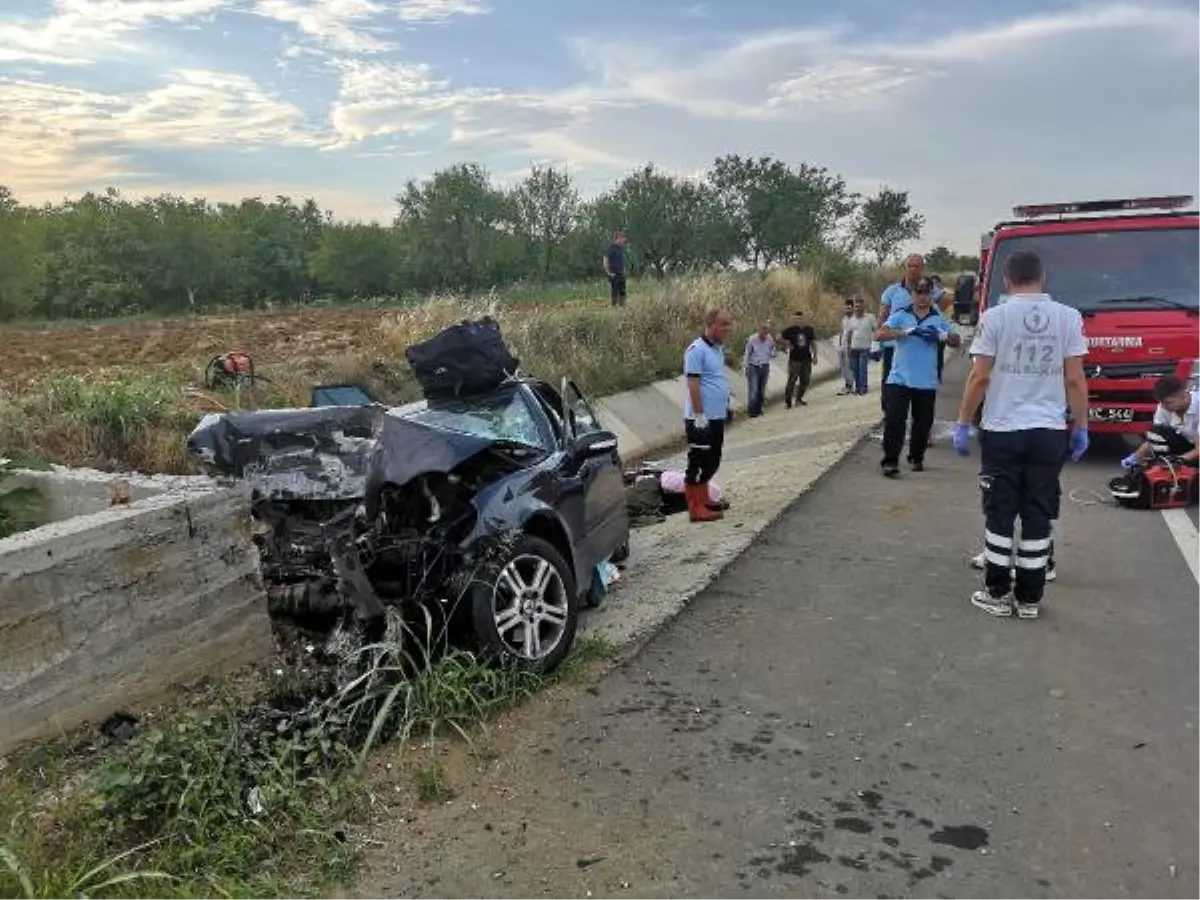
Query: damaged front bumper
[{"x": 355, "y": 509}]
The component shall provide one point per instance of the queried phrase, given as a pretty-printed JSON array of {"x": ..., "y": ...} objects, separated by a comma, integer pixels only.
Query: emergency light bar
[{"x": 1095, "y": 206}]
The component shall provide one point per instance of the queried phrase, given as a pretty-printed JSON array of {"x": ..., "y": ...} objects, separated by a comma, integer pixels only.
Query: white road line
[{"x": 1186, "y": 537}]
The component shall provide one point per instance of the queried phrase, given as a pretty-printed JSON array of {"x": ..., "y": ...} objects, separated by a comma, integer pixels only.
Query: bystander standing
[
  {"x": 801, "y": 341},
  {"x": 760, "y": 347},
  {"x": 614, "y": 268},
  {"x": 843, "y": 346},
  {"x": 859, "y": 335},
  {"x": 912, "y": 382},
  {"x": 706, "y": 407},
  {"x": 896, "y": 297}
]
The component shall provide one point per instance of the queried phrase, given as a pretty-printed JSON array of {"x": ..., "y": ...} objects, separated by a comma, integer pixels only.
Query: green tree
[
  {"x": 358, "y": 260},
  {"x": 546, "y": 210},
  {"x": 886, "y": 221},
  {"x": 455, "y": 222}
]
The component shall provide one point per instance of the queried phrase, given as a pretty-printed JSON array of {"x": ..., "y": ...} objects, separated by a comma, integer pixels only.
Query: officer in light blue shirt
[
  {"x": 895, "y": 297},
  {"x": 912, "y": 381},
  {"x": 705, "y": 409}
]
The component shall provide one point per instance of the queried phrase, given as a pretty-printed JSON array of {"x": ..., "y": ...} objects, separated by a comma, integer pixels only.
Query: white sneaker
[
  {"x": 1027, "y": 610},
  {"x": 993, "y": 606}
]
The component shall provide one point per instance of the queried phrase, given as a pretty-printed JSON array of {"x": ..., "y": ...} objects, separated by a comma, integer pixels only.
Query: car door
[{"x": 605, "y": 512}]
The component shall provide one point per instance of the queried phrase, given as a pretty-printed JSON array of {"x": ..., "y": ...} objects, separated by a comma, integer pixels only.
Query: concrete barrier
[{"x": 103, "y": 611}]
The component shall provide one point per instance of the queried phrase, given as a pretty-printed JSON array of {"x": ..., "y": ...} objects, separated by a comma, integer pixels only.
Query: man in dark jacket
[{"x": 614, "y": 268}]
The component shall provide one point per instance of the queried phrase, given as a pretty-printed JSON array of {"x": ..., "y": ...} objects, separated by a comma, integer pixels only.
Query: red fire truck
[{"x": 1131, "y": 268}]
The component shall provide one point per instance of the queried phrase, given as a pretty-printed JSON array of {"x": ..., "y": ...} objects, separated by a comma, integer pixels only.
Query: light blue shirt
[
  {"x": 759, "y": 350},
  {"x": 915, "y": 362},
  {"x": 708, "y": 361},
  {"x": 895, "y": 297}
]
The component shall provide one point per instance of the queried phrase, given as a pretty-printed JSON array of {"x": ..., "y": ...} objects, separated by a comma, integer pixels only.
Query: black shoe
[
  {"x": 890, "y": 470},
  {"x": 916, "y": 465},
  {"x": 802, "y": 402}
]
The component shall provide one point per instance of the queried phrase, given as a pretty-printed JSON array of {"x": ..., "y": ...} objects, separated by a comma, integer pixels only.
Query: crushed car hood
[{"x": 327, "y": 453}]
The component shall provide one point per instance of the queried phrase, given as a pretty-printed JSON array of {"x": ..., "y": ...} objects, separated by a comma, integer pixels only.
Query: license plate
[{"x": 1110, "y": 414}]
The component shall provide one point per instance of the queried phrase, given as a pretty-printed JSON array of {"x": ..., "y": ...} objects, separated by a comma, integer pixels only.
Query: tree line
[{"x": 103, "y": 255}]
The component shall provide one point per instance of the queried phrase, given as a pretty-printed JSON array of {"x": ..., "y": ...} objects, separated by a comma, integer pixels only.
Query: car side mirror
[{"x": 595, "y": 443}]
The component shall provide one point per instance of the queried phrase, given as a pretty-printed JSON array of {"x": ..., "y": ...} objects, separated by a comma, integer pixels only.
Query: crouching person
[
  {"x": 1175, "y": 421},
  {"x": 706, "y": 408}
]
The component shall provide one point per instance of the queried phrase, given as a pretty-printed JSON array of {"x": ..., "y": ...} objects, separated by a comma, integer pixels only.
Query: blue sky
[{"x": 970, "y": 106}]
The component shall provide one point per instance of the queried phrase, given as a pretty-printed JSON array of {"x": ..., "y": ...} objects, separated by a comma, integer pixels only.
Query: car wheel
[{"x": 528, "y": 611}]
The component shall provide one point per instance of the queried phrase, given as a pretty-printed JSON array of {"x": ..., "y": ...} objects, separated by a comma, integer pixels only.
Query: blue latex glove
[
  {"x": 962, "y": 439},
  {"x": 1131, "y": 462},
  {"x": 1078, "y": 444}
]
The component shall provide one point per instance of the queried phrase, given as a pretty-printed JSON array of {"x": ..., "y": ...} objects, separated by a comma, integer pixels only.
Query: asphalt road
[{"x": 832, "y": 717}]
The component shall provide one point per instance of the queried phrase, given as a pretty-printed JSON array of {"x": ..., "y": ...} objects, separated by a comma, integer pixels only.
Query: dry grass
[{"x": 117, "y": 398}]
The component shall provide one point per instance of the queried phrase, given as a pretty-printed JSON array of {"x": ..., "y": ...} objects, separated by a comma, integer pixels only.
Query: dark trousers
[
  {"x": 1176, "y": 443},
  {"x": 704, "y": 450},
  {"x": 1020, "y": 478},
  {"x": 616, "y": 284},
  {"x": 897, "y": 401},
  {"x": 888, "y": 354},
  {"x": 799, "y": 377},
  {"x": 756, "y": 387},
  {"x": 941, "y": 350},
  {"x": 859, "y": 366}
]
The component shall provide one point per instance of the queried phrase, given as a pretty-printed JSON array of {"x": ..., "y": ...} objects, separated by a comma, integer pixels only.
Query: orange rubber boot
[{"x": 698, "y": 508}]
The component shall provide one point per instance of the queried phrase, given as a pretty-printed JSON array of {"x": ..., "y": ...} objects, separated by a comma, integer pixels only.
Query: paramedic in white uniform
[{"x": 1028, "y": 365}]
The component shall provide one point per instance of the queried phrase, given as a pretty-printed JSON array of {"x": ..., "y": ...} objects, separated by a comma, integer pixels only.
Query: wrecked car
[{"x": 492, "y": 510}]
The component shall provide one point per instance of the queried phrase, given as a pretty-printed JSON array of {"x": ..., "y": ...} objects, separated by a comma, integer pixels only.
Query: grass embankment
[
  {"x": 121, "y": 395},
  {"x": 220, "y": 799}
]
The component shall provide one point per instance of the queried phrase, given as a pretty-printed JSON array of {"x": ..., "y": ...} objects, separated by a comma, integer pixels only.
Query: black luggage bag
[{"x": 463, "y": 359}]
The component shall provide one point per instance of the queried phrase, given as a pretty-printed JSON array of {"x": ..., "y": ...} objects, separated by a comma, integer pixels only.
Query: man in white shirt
[
  {"x": 1176, "y": 422},
  {"x": 858, "y": 333},
  {"x": 1028, "y": 362}
]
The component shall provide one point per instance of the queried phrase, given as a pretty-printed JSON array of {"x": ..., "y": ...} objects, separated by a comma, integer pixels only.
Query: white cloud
[
  {"x": 53, "y": 138},
  {"x": 342, "y": 25},
  {"x": 437, "y": 10},
  {"x": 357, "y": 27},
  {"x": 79, "y": 31}
]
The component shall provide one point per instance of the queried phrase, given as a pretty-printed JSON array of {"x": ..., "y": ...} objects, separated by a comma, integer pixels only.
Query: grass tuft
[{"x": 230, "y": 799}]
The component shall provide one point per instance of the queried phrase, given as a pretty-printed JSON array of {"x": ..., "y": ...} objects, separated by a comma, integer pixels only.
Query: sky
[{"x": 972, "y": 107}]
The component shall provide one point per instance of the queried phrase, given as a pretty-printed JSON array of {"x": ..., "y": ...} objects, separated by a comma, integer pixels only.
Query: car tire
[{"x": 530, "y": 592}]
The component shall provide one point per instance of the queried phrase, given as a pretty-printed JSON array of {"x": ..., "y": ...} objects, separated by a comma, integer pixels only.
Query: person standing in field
[
  {"x": 614, "y": 268},
  {"x": 760, "y": 347},
  {"x": 801, "y": 341},
  {"x": 859, "y": 334},
  {"x": 1027, "y": 371},
  {"x": 706, "y": 408},
  {"x": 844, "y": 350},
  {"x": 898, "y": 296},
  {"x": 912, "y": 382}
]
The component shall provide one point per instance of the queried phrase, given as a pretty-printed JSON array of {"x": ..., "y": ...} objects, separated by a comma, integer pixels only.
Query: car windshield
[
  {"x": 502, "y": 416},
  {"x": 1110, "y": 270}
]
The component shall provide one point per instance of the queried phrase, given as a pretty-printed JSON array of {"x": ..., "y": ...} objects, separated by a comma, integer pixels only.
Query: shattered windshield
[
  {"x": 500, "y": 416},
  {"x": 1111, "y": 270}
]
